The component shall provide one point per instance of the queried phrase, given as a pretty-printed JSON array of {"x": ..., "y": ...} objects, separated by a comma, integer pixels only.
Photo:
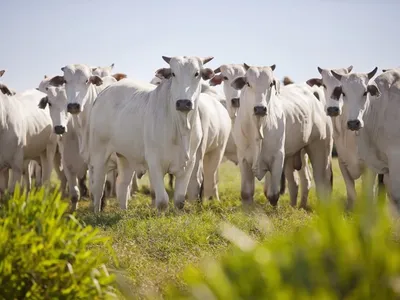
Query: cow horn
[
  {"x": 217, "y": 70},
  {"x": 372, "y": 73},
  {"x": 246, "y": 66},
  {"x": 166, "y": 59}
]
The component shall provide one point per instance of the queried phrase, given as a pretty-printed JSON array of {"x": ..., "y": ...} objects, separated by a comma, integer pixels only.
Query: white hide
[
  {"x": 148, "y": 132},
  {"x": 375, "y": 106},
  {"x": 294, "y": 120}
]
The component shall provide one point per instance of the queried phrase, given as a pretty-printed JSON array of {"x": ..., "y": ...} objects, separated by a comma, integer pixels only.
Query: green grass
[{"x": 154, "y": 248}]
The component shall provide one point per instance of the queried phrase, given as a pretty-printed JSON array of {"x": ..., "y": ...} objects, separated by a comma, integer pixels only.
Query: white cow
[
  {"x": 351, "y": 166},
  {"x": 81, "y": 89},
  {"x": 112, "y": 174},
  {"x": 230, "y": 148},
  {"x": 34, "y": 137},
  {"x": 373, "y": 114},
  {"x": 155, "y": 129},
  {"x": 227, "y": 73},
  {"x": 74, "y": 166},
  {"x": 12, "y": 138},
  {"x": 290, "y": 118}
]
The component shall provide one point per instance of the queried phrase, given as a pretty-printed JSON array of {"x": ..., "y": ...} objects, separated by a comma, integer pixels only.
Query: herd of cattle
[{"x": 118, "y": 128}]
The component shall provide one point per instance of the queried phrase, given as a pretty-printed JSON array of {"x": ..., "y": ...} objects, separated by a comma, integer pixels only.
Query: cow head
[
  {"x": 258, "y": 85},
  {"x": 78, "y": 81},
  {"x": 226, "y": 74},
  {"x": 333, "y": 107},
  {"x": 56, "y": 101},
  {"x": 185, "y": 74},
  {"x": 102, "y": 71},
  {"x": 355, "y": 90}
]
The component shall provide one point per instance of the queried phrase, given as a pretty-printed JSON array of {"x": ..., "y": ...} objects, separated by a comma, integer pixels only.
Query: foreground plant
[
  {"x": 335, "y": 257},
  {"x": 46, "y": 253}
]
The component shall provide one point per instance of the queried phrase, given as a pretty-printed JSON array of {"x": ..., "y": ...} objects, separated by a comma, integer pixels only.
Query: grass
[{"x": 153, "y": 248}]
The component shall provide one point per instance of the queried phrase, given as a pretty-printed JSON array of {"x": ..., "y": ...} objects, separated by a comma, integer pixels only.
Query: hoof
[
  {"x": 74, "y": 203},
  {"x": 103, "y": 202},
  {"x": 273, "y": 200},
  {"x": 162, "y": 206},
  {"x": 179, "y": 202}
]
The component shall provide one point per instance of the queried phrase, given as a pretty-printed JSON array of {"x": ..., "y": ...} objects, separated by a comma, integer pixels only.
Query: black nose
[
  {"x": 332, "y": 111},
  {"x": 184, "y": 105},
  {"x": 260, "y": 110},
  {"x": 235, "y": 102},
  {"x": 354, "y": 125},
  {"x": 73, "y": 108},
  {"x": 59, "y": 129}
]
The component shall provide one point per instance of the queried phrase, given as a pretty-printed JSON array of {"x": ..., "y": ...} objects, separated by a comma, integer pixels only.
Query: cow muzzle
[
  {"x": 184, "y": 105},
  {"x": 74, "y": 108},
  {"x": 235, "y": 102},
  {"x": 260, "y": 110},
  {"x": 354, "y": 125},
  {"x": 59, "y": 129},
  {"x": 332, "y": 111}
]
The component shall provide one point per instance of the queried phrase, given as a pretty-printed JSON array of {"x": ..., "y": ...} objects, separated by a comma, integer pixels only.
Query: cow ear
[
  {"x": 43, "y": 102},
  {"x": 314, "y": 81},
  {"x": 5, "y": 90},
  {"x": 163, "y": 73},
  {"x": 119, "y": 76},
  {"x": 287, "y": 80},
  {"x": 337, "y": 92},
  {"x": 216, "y": 80},
  {"x": 373, "y": 90},
  {"x": 2, "y": 72},
  {"x": 57, "y": 81},
  {"x": 96, "y": 80},
  {"x": 239, "y": 83},
  {"x": 207, "y": 73}
]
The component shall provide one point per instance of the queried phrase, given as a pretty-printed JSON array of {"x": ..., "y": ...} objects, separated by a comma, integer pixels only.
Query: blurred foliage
[
  {"x": 45, "y": 253},
  {"x": 336, "y": 256}
]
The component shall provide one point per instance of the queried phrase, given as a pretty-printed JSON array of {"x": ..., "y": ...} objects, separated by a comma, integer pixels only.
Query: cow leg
[
  {"x": 4, "y": 180},
  {"x": 368, "y": 179},
  {"x": 181, "y": 184},
  {"x": 16, "y": 168},
  {"x": 134, "y": 184},
  {"x": 125, "y": 174},
  {"x": 60, "y": 172},
  {"x": 196, "y": 178},
  {"x": 293, "y": 184},
  {"x": 98, "y": 179},
  {"x": 247, "y": 182},
  {"x": 157, "y": 185},
  {"x": 305, "y": 180},
  {"x": 26, "y": 177},
  {"x": 47, "y": 162},
  {"x": 350, "y": 187},
  {"x": 212, "y": 162},
  {"x": 272, "y": 193},
  {"x": 82, "y": 183},
  {"x": 322, "y": 168},
  {"x": 73, "y": 188}
]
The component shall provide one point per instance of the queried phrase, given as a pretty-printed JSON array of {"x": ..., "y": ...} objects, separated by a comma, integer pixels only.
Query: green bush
[
  {"x": 335, "y": 257},
  {"x": 46, "y": 253}
]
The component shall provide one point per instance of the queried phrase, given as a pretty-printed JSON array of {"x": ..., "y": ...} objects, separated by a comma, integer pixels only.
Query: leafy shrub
[
  {"x": 46, "y": 253},
  {"x": 336, "y": 257}
]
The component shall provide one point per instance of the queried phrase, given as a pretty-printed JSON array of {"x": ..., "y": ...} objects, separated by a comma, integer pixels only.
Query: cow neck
[
  {"x": 375, "y": 110},
  {"x": 165, "y": 111}
]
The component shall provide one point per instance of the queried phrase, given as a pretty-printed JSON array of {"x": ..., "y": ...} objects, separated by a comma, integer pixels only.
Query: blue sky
[{"x": 39, "y": 37}]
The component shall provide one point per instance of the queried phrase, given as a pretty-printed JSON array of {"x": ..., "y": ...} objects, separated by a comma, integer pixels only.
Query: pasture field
[{"x": 154, "y": 248}]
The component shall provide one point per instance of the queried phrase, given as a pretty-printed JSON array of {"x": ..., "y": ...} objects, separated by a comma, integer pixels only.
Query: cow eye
[
  {"x": 173, "y": 74},
  {"x": 196, "y": 74},
  {"x": 324, "y": 86},
  {"x": 225, "y": 78},
  {"x": 49, "y": 103},
  {"x": 248, "y": 84},
  {"x": 47, "y": 89},
  {"x": 365, "y": 93},
  {"x": 272, "y": 84}
]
